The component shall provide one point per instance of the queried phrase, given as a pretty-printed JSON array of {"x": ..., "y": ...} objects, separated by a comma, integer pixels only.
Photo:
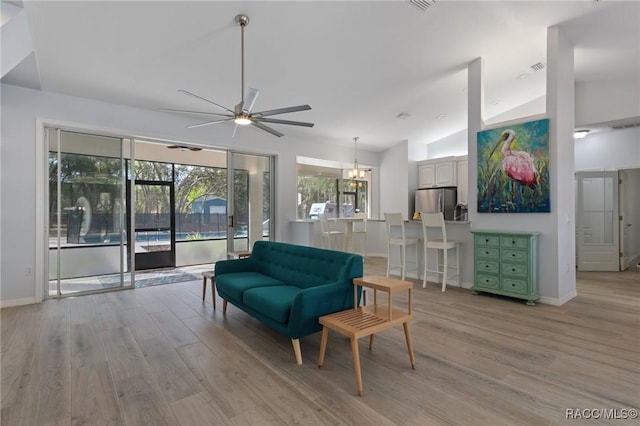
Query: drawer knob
[
  {"x": 513, "y": 242},
  {"x": 486, "y": 240},
  {"x": 513, "y": 255},
  {"x": 513, "y": 269}
]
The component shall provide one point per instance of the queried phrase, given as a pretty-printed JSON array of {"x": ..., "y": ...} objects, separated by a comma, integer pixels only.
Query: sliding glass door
[
  {"x": 250, "y": 187},
  {"x": 86, "y": 226}
]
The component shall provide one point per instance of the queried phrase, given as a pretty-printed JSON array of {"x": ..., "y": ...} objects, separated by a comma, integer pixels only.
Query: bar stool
[
  {"x": 327, "y": 233},
  {"x": 360, "y": 233},
  {"x": 436, "y": 220},
  {"x": 396, "y": 237}
]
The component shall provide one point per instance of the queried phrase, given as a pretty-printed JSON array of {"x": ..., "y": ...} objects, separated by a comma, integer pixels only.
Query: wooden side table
[
  {"x": 368, "y": 320},
  {"x": 209, "y": 275}
]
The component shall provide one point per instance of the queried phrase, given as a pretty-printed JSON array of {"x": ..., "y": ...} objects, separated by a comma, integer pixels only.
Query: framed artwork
[{"x": 513, "y": 168}]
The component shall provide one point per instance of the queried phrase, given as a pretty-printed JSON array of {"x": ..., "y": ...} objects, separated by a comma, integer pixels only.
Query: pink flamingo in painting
[{"x": 518, "y": 165}]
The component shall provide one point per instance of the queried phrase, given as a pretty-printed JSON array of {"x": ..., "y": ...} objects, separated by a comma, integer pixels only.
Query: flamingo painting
[
  {"x": 517, "y": 180},
  {"x": 518, "y": 165}
]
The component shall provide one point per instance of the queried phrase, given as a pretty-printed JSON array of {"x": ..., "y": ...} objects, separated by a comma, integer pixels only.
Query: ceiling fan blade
[
  {"x": 276, "y": 121},
  {"x": 250, "y": 100},
  {"x": 267, "y": 129},
  {"x": 209, "y": 123},
  {"x": 186, "y": 92},
  {"x": 282, "y": 110},
  {"x": 183, "y": 111}
]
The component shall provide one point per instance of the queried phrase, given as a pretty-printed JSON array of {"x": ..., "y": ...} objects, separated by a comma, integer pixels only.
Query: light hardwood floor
[{"x": 161, "y": 356}]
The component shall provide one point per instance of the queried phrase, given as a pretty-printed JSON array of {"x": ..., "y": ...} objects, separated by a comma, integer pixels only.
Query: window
[{"x": 323, "y": 190}]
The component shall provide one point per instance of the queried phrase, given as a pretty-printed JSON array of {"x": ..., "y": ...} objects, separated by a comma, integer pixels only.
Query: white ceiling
[{"x": 357, "y": 63}]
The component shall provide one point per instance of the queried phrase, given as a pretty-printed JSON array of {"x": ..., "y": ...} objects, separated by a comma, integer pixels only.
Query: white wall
[
  {"x": 611, "y": 150},
  {"x": 23, "y": 108},
  {"x": 394, "y": 180},
  {"x": 604, "y": 101}
]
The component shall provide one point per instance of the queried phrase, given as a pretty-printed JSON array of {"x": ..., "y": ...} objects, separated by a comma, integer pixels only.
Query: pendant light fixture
[{"x": 356, "y": 173}]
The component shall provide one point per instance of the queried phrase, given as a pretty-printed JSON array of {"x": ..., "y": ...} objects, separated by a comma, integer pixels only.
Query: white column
[
  {"x": 475, "y": 123},
  {"x": 561, "y": 113}
]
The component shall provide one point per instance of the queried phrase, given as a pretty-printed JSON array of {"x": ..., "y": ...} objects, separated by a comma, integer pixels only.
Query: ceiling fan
[
  {"x": 184, "y": 147},
  {"x": 242, "y": 114}
]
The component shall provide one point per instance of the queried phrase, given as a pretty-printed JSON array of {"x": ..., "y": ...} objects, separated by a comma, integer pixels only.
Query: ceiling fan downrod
[{"x": 243, "y": 21}]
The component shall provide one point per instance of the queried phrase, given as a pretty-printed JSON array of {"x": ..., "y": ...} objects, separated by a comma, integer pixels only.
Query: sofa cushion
[
  {"x": 273, "y": 301},
  {"x": 237, "y": 283}
]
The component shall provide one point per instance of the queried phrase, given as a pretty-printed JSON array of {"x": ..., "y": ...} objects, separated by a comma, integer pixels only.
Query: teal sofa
[{"x": 287, "y": 287}]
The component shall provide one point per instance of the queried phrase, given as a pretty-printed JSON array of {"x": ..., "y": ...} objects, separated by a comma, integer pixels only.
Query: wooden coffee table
[{"x": 368, "y": 320}]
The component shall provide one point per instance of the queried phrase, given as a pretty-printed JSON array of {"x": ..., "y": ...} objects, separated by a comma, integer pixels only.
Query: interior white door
[{"x": 598, "y": 221}]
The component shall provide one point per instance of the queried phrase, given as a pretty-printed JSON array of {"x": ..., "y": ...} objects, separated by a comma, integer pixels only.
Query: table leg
[
  {"x": 204, "y": 287},
  {"x": 213, "y": 292},
  {"x": 407, "y": 336},
  {"x": 356, "y": 364},
  {"x": 323, "y": 346}
]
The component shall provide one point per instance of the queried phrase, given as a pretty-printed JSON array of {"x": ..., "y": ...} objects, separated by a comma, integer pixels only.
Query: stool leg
[
  {"x": 371, "y": 341},
  {"x": 407, "y": 336},
  {"x": 445, "y": 253},
  {"x": 356, "y": 364},
  {"x": 426, "y": 262},
  {"x": 458, "y": 262},
  {"x": 388, "y": 258},
  {"x": 224, "y": 306},
  {"x": 403, "y": 254}
]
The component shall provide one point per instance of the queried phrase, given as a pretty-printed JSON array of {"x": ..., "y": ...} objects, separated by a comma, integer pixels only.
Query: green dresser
[{"x": 506, "y": 263}]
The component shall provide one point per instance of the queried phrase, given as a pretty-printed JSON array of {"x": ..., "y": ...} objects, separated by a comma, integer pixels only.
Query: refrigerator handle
[{"x": 440, "y": 204}]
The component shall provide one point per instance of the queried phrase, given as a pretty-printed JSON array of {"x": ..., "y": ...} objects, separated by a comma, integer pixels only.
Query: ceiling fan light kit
[{"x": 242, "y": 114}]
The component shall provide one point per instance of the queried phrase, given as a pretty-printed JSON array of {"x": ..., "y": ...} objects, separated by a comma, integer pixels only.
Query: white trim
[
  {"x": 41, "y": 254},
  {"x": 18, "y": 302}
]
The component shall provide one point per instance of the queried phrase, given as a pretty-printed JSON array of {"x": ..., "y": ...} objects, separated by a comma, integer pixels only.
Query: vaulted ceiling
[{"x": 359, "y": 64}]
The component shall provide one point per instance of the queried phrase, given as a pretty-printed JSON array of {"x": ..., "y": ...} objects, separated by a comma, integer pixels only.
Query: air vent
[
  {"x": 423, "y": 4},
  {"x": 537, "y": 67},
  {"x": 625, "y": 126}
]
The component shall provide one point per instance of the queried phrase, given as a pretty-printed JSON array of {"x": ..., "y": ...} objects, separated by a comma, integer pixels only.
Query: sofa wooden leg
[
  {"x": 296, "y": 350},
  {"x": 224, "y": 306}
]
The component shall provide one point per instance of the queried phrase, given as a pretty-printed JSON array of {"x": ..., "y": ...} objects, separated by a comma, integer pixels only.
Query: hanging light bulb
[{"x": 356, "y": 173}]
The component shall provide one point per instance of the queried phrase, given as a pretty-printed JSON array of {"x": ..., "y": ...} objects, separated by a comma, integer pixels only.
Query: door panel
[
  {"x": 250, "y": 187},
  {"x": 85, "y": 194},
  {"x": 597, "y": 211}
]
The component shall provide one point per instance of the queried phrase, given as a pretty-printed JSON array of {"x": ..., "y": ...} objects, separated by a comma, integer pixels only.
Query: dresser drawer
[
  {"x": 514, "y": 255},
  {"x": 487, "y": 240},
  {"x": 514, "y": 242},
  {"x": 513, "y": 269},
  {"x": 487, "y": 281},
  {"x": 488, "y": 266},
  {"x": 514, "y": 285},
  {"x": 487, "y": 252}
]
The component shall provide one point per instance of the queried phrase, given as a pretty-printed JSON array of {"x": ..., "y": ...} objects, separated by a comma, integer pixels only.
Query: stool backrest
[
  {"x": 324, "y": 223},
  {"x": 433, "y": 220},
  {"x": 395, "y": 225},
  {"x": 360, "y": 226}
]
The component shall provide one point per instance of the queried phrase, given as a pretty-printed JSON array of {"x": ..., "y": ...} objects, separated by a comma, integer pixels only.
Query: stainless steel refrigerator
[{"x": 433, "y": 200}]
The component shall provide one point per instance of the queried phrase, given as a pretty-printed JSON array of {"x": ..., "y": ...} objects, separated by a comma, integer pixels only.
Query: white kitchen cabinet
[
  {"x": 463, "y": 179},
  {"x": 435, "y": 173}
]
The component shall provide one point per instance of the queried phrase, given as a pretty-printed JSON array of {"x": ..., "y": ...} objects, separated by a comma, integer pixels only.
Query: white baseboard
[
  {"x": 558, "y": 301},
  {"x": 17, "y": 302}
]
